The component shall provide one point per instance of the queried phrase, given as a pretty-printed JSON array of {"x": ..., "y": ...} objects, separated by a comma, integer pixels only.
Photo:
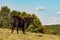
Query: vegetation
[
  {"x": 5, "y": 15},
  {"x": 6, "y": 35},
  {"x": 54, "y": 29}
]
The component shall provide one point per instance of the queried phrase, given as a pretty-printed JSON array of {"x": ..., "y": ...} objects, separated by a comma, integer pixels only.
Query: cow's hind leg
[
  {"x": 17, "y": 30},
  {"x": 12, "y": 29}
]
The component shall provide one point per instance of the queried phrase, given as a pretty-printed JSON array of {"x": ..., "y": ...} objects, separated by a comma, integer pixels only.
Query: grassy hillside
[
  {"x": 55, "y": 29},
  {"x": 6, "y": 35}
]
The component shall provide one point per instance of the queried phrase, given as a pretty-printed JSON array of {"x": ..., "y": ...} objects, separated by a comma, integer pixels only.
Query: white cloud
[
  {"x": 40, "y": 8},
  {"x": 58, "y": 12},
  {"x": 53, "y": 20}
]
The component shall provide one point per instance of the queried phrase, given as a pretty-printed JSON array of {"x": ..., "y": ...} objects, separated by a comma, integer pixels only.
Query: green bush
[{"x": 35, "y": 29}]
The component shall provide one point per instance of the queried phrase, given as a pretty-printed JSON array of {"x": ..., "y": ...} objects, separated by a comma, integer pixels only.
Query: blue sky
[{"x": 48, "y": 11}]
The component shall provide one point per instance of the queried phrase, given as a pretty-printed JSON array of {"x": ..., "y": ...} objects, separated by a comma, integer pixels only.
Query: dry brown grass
[{"x": 5, "y": 34}]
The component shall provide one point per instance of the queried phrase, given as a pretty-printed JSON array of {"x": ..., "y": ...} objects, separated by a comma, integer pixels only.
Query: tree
[
  {"x": 4, "y": 15},
  {"x": 14, "y": 12},
  {"x": 24, "y": 14},
  {"x": 36, "y": 26}
]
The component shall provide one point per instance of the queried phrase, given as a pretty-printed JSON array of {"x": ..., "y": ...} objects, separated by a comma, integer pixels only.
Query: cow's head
[{"x": 31, "y": 20}]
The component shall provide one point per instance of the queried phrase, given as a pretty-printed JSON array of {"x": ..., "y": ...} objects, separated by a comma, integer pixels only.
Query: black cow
[
  {"x": 20, "y": 22},
  {"x": 17, "y": 22}
]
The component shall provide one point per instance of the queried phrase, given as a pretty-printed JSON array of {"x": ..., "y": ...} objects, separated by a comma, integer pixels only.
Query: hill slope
[
  {"x": 55, "y": 28},
  {"x": 5, "y": 34}
]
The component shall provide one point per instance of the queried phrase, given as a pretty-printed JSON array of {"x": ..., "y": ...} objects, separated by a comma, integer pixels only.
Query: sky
[{"x": 48, "y": 11}]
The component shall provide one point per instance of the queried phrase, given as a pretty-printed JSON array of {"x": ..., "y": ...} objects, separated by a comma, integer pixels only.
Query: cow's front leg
[{"x": 23, "y": 30}]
